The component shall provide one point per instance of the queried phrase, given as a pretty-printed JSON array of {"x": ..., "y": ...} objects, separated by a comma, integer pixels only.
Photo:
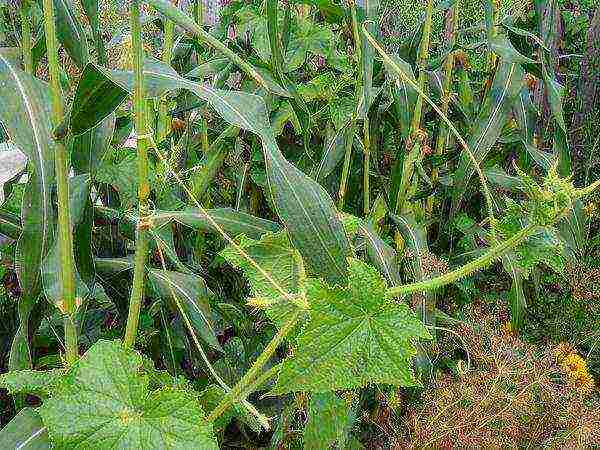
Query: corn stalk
[
  {"x": 444, "y": 133},
  {"x": 416, "y": 139},
  {"x": 167, "y": 55},
  {"x": 143, "y": 138},
  {"x": 65, "y": 237}
]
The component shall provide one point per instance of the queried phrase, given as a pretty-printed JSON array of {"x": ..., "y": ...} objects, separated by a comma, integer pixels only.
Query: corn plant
[{"x": 312, "y": 274}]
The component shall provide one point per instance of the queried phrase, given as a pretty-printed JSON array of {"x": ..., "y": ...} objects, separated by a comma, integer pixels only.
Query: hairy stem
[
  {"x": 65, "y": 237},
  {"x": 490, "y": 256},
  {"x": 141, "y": 243},
  {"x": 236, "y": 393}
]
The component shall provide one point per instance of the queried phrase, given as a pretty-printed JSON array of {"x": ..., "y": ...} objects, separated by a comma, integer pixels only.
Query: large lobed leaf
[
  {"x": 354, "y": 336},
  {"x": 103, "y": 402}
]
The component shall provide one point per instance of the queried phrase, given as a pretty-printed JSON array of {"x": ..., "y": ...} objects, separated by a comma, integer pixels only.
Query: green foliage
[
  {"x": 114, "y": 407},
  {"x": 306, "y": 214},
  {"x": 354, "y": 336},
  {"x": 329, "y": 417}
]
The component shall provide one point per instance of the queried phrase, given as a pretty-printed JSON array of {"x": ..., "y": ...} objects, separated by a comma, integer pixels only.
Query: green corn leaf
[
  {"x": 502, "y": 47},
  {"x": 233, "y": 222},
  {"x": 90, "y": 7},
  {"x": 516, "y": 297},
  {"x": 25, "y": 116},
  {"x": 380, "y": 254},
  {"x": 88, "y": 149},
  {"x": 404, "y": 95},
  {"x": 329, "y": 417},
  {"x": 10, "y": 225},
  {"x": 303, "y": 205},
  {"x": 122, "y": 176},
  {"x": 333, "y": 152},
  {"x": 97, "y": 96},
  {"x": 115, "y": 409},
  {"x": 191, "y": 298},
  {"x": 355, "y": 336},
  {"x": 489, "y": 124},
  {"x": 79, "y": 191},
  {"x": 276, "y": 256},
  {"x": 25, "y": 431},
  {"x": 556, "y": 92},
  {"x": 70, "y": 33}
]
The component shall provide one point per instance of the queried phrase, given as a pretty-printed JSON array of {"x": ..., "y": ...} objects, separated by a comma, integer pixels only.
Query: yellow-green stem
[
  {"x": 367, "y": 164},
  {"x": 26, "y": 39},
  {"x": 443, "y": 133},
  {"x": 163, "y": 112},
  {"x": 237, "y": 392},
  {"x": 346, "y": 167},
  {"x": 408, "y": 168},
  {"x": 199, "y": 10},
  {"x": 141, "y": 243},
  {"x": 352, "y": 129},
  {"x": 422, "y": 61},
  {"x": 65, "y": 237}
]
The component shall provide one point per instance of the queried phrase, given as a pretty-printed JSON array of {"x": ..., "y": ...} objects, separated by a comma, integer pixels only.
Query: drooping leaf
[
  {"x": 303, "y": 205},
  {"x": 25, "y": 431},
  {"x": 187, "y": 295},
  {"x": 115, "y": 409},
  {"x": 233, "y": 222},
  {"x": 489, "y": 124},
  {"x": 354, "y": 336}
]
